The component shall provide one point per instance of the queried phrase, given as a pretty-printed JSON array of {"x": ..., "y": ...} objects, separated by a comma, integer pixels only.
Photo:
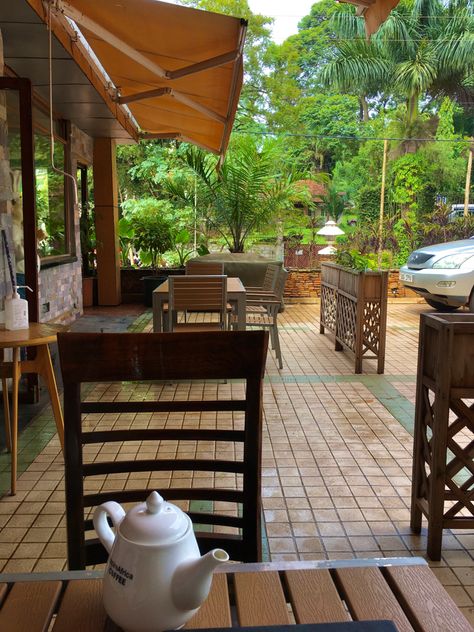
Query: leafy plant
[
  {"x": 126, "y": 234},
  {"x": 357, "y": 261},
  {"x": 152, "y": 228}
]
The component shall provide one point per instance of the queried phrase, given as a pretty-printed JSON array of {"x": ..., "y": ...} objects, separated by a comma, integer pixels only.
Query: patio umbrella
[{"x": 179, "y": 70}]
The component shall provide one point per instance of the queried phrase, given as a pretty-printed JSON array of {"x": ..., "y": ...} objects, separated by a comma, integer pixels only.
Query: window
[{"x": 53, "y": 204}]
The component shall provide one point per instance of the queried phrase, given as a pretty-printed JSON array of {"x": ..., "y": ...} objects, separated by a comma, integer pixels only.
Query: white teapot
[{"x": 155, "y": 578}]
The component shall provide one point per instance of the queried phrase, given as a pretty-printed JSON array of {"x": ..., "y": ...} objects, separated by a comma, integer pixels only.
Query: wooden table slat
[
  {"x": 426, "y": 600},
  {"x": 369, "y": 596},
  {"x": 215, "y": 611},
  {"x": 314, "y": 597},
  {"x": 30, "y": 606},
  {"x": 90, "y": 617},
  {"x": 260, "y": 599}
]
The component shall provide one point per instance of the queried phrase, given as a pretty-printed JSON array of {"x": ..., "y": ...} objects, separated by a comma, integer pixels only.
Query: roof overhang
[
  {"x": 170, "y": 71},
  {"x": 179, "y": 70},
  {"x": 80, "y": 90},
  {"x": 375, "y": 12}
]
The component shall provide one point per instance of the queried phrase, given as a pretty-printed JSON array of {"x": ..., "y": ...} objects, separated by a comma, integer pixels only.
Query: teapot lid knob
[{"x": 154, "y": 503}]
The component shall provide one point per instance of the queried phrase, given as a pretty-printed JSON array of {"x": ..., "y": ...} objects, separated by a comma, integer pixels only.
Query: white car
[{"x": 442, "y": 274}]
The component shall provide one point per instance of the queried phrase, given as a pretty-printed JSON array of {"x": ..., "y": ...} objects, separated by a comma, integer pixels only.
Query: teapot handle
[{"x": 105, "y": 533}]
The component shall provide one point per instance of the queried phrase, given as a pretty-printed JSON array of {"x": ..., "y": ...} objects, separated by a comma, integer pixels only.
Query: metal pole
[
  {"x": 468, "y": 180},
  {"x": 382, "y": 202}
]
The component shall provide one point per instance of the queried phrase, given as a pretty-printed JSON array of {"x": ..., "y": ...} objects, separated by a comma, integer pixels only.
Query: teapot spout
[{"x": 192, "y": 579}]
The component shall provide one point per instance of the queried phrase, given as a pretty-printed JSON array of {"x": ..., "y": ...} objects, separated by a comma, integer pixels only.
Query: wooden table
[
  {"x": 235, "y": 294},
  {"x": 403, "y": 590},
  {"x": 39, "y": 336}
]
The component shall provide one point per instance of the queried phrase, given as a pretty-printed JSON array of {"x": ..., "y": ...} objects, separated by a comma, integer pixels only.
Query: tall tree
[{"x": 424, "y": 49}]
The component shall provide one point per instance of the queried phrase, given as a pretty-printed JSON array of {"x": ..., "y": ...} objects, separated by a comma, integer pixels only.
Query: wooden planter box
[
  {"x": 354, "y": 308},
  {"x": 443, "y": 468}
]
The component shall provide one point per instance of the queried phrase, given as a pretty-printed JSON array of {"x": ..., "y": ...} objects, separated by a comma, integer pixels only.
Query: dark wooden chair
[{"x": 207, "y": 448}]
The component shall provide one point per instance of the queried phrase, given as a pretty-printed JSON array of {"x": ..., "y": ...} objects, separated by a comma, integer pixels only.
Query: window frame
[{"x": 70, "y": 256}]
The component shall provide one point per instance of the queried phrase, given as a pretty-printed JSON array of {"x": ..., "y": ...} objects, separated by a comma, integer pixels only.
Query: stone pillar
[{"x": 106, "y": 221}]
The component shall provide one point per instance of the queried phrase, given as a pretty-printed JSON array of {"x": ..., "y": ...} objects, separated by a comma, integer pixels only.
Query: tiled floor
[{"x": 336, "y": 465}]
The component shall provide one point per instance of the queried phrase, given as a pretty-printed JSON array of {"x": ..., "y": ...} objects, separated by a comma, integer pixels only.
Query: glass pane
[
  {"x": 14, "y": 154},
  {"x": 50, "y": 202}
]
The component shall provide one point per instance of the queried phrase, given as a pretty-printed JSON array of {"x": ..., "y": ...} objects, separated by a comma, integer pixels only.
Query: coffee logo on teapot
[{"x": 119, "y": 573}]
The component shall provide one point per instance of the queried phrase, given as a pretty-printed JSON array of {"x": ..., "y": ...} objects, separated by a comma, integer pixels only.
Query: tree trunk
[
  {"x": 364, "y": 108},
  {"x": 467, "y": 189}
]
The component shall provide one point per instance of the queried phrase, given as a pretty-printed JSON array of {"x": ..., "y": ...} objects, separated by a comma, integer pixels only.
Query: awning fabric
[
  {"x": 375, "y": 12},
  {"x": 178, "y": 70}
]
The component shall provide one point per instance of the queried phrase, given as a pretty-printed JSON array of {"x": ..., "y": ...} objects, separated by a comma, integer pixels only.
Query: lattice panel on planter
[
  {"x": 371, "y": 333},
  {"x": 443, "y": 467},
  {"x": 346, "y": 321},
  {"x": 328, "y": 307},
  {"x": 354, "y": 308}
]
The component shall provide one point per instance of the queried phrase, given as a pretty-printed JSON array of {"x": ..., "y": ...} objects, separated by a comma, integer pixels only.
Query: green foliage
[
  {"x": 358, "y": 261},
  {"x": 152, "y": 228},
  {"x": 405, "y": 234},
  {"x": 251, "y": 189},
  {"x": 126, "y": 233},
  {"x": 408, "y": 179},
  {"x": 436, "y": 227},
  {"x": 368, "y": 203}
]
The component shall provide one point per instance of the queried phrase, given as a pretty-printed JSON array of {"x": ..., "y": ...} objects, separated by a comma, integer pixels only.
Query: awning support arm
[
  {"x": 179, "y": 96},
  {"x": 110, "y": 38},
  {"x": 213, "y": 62}
]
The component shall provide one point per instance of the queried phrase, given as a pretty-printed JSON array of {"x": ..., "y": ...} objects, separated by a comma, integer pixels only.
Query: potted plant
[
  {"x": 152, "y": 238},
  {"x": 354, "y": 306}
]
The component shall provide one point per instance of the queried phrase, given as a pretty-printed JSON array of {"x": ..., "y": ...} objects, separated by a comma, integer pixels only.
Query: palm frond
[
  {"x": 347, "y": 24},
  {"x": 415, "y": 76},
  {"x": 358, "y": 64}
]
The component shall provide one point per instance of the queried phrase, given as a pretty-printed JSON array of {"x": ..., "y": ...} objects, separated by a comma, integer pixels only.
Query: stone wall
[{"x": 304, "y": 286}]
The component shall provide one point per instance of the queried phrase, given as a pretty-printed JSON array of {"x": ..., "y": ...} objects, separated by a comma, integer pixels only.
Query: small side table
[{"x": 39, "y": 336}]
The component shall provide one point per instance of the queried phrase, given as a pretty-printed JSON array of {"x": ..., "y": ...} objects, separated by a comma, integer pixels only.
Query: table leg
[
  {"x": 16, "y": 373},
  {"x": 43, "y": 366},
  {"x": 240, "y": 300},
  {"x": 157, "y": 313}
]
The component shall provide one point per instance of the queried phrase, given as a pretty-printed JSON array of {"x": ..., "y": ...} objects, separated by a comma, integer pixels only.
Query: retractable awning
[{"x": 178, "y": 70}]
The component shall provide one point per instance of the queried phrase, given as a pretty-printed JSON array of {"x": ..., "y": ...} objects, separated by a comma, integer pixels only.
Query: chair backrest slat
[
  {"x": 171, "y": 445},
  {"x": 204, "y": 267}
]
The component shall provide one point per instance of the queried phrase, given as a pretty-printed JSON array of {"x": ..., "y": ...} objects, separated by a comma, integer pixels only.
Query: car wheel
[
  {"x": 471, "y": 302},
  {"x": 441, "y": 307}
]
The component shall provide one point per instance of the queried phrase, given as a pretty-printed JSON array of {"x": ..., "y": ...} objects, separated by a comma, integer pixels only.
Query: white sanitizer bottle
[{"x": 16, "y": 312}]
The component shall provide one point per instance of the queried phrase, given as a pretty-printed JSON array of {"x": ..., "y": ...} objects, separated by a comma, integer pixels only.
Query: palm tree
[
  {"x": 424, "y": 49},
  {"x": 250, "y": 190}
]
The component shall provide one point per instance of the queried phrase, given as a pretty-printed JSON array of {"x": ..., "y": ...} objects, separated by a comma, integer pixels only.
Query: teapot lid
[{"x": 154, "y": 522}]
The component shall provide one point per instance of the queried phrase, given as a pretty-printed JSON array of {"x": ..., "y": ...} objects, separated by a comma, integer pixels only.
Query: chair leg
[{"x": 277, "y": 345}]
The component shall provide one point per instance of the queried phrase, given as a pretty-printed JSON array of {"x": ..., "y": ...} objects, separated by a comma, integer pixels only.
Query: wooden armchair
[
  {"x": 262, "y": 309},
  {"x": 204, "y": 294}
]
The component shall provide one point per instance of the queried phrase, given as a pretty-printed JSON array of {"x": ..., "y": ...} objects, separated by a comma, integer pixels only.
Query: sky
[{"x": 287, "y": 14}]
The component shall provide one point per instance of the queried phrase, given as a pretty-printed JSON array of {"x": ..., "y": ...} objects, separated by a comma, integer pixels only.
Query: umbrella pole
[{"x": 382, "y": 202}]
